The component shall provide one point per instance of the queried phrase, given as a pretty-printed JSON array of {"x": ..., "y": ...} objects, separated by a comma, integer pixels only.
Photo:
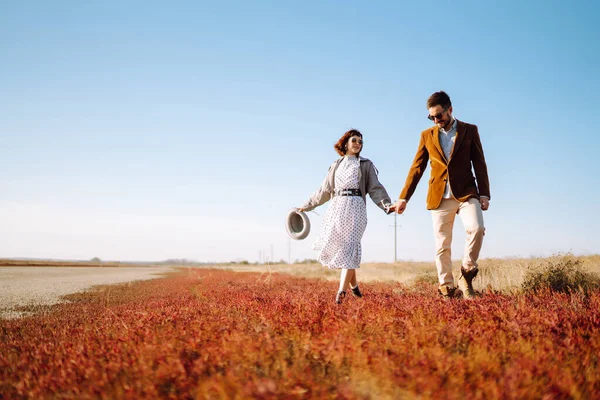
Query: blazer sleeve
[
  {"x": 416, "y": 170},
  {"x": 479, "y": 165},
  {"x": 375, "y": 189},
  {"x": 322, "y": 195}
]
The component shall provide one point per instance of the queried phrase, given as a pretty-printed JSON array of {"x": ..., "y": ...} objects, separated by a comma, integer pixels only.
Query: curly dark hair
[{"x": 340, "y": 145}]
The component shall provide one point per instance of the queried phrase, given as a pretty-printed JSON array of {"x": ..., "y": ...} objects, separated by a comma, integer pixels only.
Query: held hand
[
  {"x": 300, "y": 209},
  {"x": 388, "y": 208},
  {"x": 485, "y": 203},
  {"x": 400, "y": 206}
]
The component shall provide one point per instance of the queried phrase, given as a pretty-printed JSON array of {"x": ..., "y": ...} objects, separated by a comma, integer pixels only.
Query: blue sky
[{"x": 145, "y": 131}]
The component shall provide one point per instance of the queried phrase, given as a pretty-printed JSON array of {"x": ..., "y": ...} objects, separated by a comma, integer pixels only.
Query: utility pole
[
  {"x": 289, "y": 250},
  {"x": 395, "y": 236},
  {"x": 271, "y": 254}
]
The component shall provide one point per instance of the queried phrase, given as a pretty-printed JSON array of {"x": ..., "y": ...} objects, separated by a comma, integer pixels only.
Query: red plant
[{"x": 219, "y": 334}]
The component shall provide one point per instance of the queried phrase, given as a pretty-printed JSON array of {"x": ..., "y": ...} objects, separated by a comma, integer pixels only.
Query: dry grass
[
  {"x": 508, "y": 275},
  {"x": 369, "y": 272},
  {"x": 504, "y": 275}
]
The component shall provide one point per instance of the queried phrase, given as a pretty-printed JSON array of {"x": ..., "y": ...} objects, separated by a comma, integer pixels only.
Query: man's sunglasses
[
  {"x": 437, "y": 116},
  {"x": 354, "y": 140}
]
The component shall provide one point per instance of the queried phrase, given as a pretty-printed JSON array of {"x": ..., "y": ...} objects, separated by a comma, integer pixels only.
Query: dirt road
[{"x": 31, "y": 286}]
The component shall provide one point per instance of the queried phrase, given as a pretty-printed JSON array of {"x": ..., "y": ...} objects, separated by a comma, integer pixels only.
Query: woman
[{"x": 348, "y": 181}]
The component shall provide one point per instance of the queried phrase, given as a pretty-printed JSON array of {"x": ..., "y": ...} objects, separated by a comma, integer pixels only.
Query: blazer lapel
[
  {"x": 460, "y": 134},
  {"x": 436, "y": 141}
]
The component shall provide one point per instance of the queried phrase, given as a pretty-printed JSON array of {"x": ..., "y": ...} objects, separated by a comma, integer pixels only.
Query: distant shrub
[{"x": 565, "y": 275}]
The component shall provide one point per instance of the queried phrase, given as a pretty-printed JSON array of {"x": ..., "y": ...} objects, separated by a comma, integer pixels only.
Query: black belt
[{"x": 348, "y": 192}]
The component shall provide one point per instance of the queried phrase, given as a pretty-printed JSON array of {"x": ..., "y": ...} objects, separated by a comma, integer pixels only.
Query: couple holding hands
[{"x": 459, "y": 184}]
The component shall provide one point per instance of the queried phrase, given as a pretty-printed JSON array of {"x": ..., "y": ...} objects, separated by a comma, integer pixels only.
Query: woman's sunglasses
[{"x": 354, "y": 140}]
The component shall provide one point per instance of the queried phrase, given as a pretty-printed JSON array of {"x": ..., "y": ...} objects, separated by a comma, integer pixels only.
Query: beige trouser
[{"x": 443, "y": 222}]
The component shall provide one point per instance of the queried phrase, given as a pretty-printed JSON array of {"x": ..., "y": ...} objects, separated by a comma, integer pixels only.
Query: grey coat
[{"x": 368, "y": 182}]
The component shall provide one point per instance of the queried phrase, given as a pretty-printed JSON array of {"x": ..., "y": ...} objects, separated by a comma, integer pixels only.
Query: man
[{"x": 454, "y": 150}]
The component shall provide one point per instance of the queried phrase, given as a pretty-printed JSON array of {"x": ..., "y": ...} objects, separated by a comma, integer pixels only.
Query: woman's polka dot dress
[{"x": 344, "y": 222}]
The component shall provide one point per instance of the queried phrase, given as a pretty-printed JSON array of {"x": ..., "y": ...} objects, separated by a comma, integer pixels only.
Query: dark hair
[
  {"x": 440, "y": 98},
  {"x": 340, "y": 145}
]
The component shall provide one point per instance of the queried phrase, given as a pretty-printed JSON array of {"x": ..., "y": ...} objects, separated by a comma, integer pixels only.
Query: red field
[{"x": 218, "y": 334}]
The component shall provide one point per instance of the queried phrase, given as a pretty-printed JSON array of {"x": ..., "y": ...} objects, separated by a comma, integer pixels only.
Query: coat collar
[
  {"x": 361, "y": 158},
  {"x": 435, "y": 136},
  {"x": 336, "y": 164},
  {"x": 461, "y": 127},
  {"x": 460, "y": 133}
]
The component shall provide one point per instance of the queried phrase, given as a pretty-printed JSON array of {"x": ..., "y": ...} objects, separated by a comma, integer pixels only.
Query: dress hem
[{"x": 342, "y": 267}]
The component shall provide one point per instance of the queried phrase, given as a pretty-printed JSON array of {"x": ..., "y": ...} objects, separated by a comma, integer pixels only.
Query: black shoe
[
  {"x": 356, "y": 291},
  {"x": 340, "y": 295}
]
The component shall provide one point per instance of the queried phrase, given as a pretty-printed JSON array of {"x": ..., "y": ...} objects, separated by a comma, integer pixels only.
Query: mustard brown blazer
[{"x": 467, "y": 152}]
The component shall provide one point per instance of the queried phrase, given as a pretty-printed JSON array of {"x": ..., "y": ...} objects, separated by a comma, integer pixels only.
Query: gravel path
[{"x": 34, "y": 286}]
